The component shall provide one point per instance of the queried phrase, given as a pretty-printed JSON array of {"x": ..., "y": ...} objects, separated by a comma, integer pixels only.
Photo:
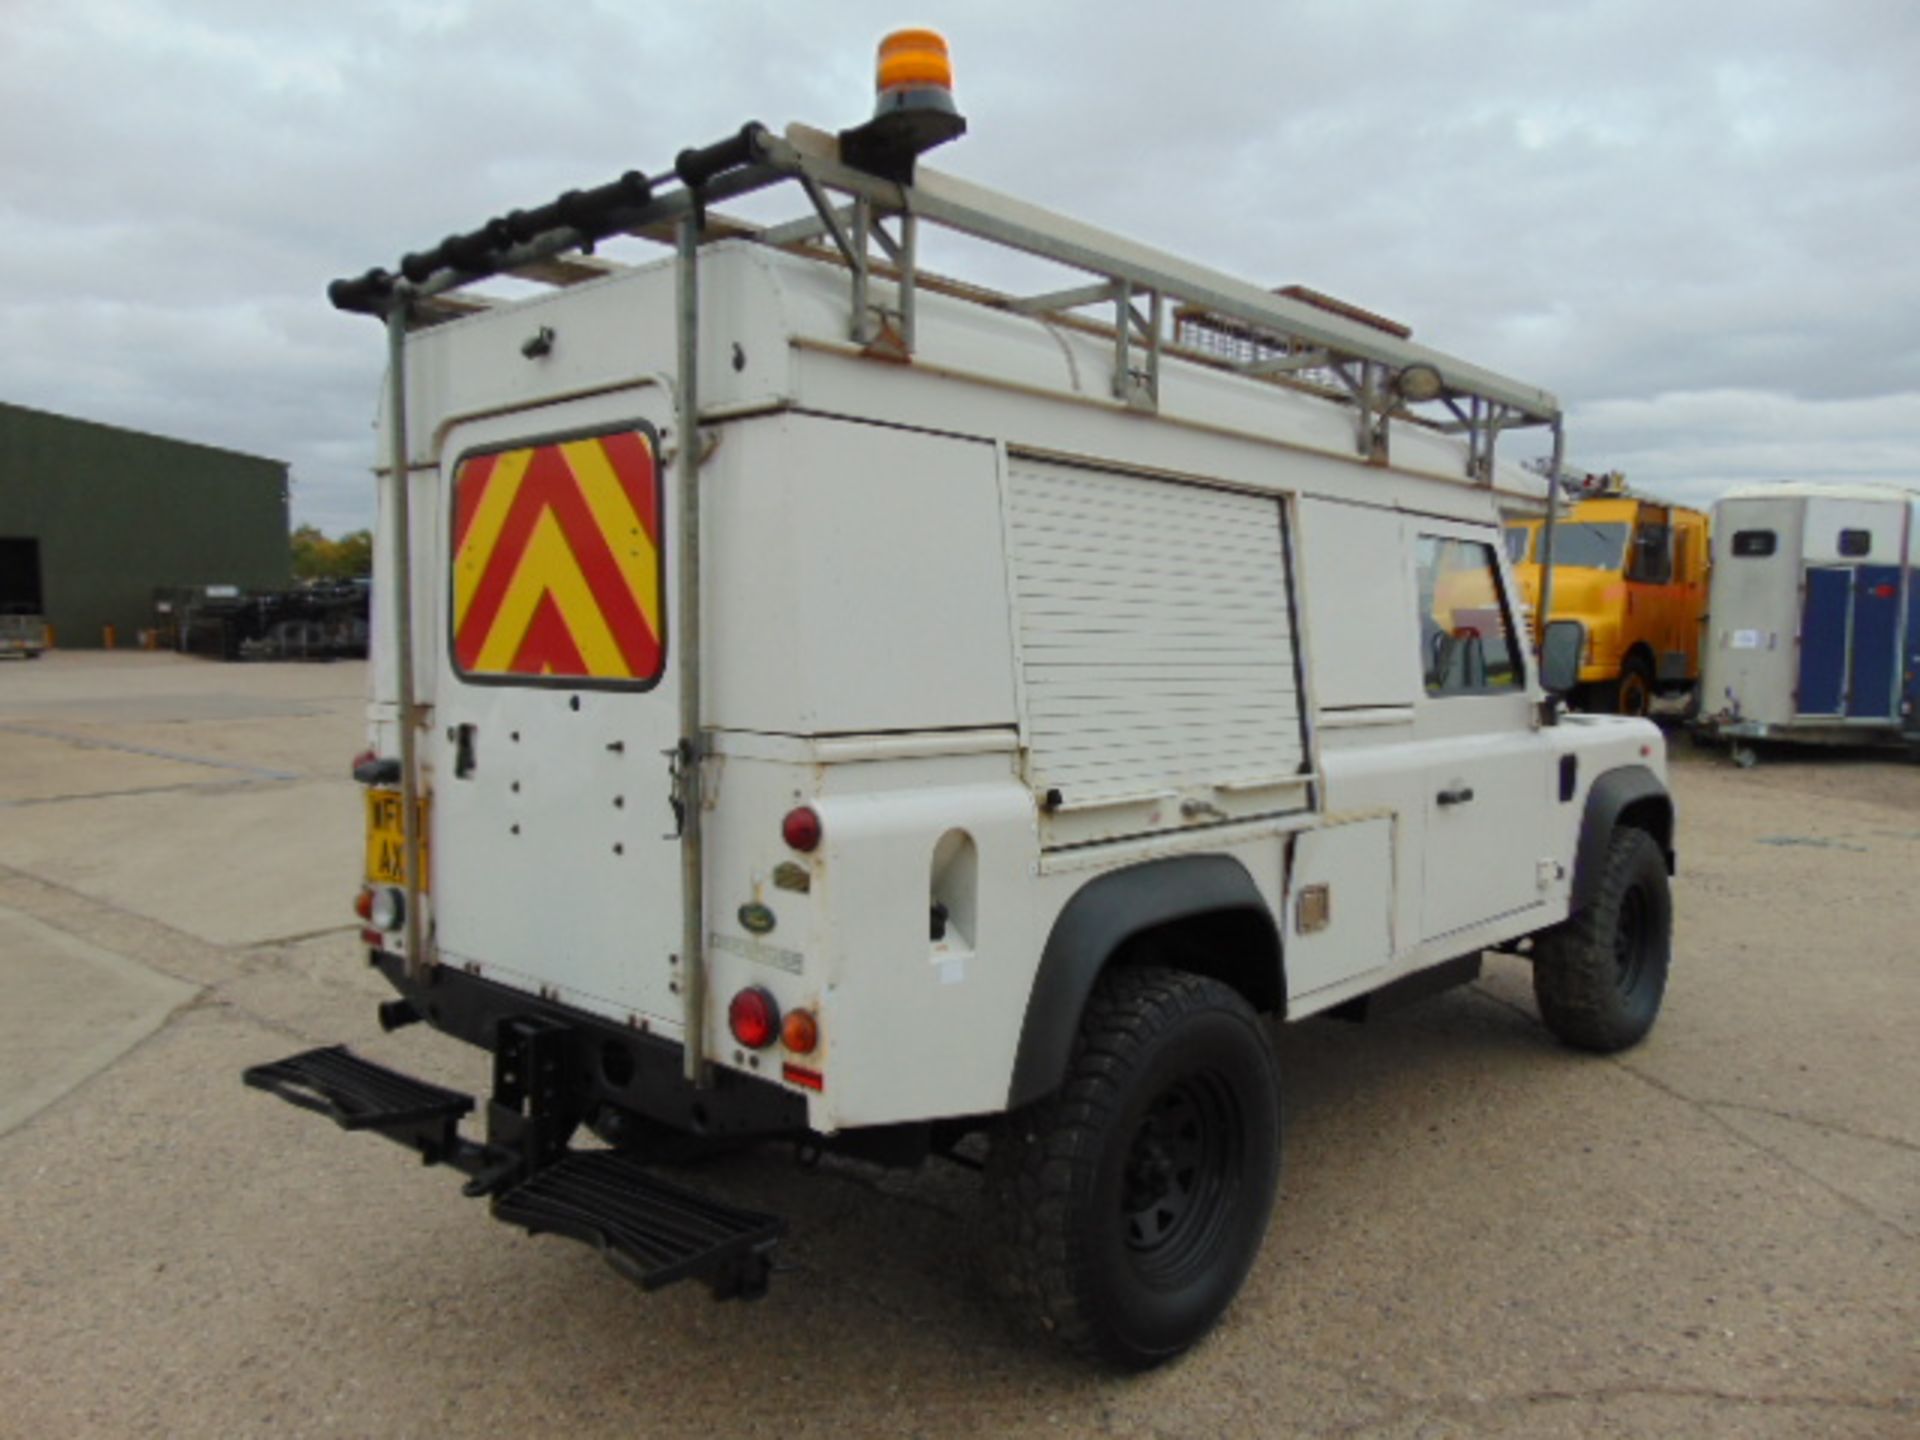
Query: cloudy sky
[{"x": 1695, "y": 221}]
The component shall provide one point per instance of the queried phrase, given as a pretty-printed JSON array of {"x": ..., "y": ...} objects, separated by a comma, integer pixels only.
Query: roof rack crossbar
[
  {"x": 1288, "y": 364},
  {"x": 1055, "y": 301}
]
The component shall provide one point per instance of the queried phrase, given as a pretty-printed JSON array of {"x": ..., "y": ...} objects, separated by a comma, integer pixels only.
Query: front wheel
[
  {"x": 1127, "y": 1208},
  {"x": 1600, "y": 976}
]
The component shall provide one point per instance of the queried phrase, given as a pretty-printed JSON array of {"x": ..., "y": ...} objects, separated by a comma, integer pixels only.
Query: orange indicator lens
[{"x": 800, "y": 1032}]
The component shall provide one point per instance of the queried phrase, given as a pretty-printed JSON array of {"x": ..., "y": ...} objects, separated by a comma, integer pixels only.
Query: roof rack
[{"x": 869, "y": 222}]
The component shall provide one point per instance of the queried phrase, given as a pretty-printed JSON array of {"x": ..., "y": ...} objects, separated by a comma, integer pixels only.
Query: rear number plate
[{"x": 386, "y": 840}]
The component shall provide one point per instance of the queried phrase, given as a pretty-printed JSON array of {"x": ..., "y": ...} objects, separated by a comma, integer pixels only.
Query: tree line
[{"x": 315, "y": 557}]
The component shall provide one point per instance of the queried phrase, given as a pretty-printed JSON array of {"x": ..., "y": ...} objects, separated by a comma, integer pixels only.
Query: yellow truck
[{"x": 1633, "y": 572}]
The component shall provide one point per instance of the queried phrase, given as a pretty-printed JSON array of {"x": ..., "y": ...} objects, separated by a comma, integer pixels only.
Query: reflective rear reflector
[
  {"x": 799, "y": 1075},
  {"x": 389, "y": 908},
  {"x": 801, "y": 829}
]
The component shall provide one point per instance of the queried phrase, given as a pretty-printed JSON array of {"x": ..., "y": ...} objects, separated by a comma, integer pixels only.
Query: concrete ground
[{"x": 1482, "y": 1234}]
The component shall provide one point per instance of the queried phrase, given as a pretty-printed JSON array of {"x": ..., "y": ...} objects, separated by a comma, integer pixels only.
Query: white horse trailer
[{"x": 1814, "y": 615}]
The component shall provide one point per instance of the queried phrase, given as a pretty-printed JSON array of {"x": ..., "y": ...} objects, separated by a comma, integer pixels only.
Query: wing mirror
[{"x": 1562, "y": 648}]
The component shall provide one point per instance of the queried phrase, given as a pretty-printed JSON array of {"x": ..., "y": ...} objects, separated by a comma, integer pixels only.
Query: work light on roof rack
[{"x": 1419, "y": 382}]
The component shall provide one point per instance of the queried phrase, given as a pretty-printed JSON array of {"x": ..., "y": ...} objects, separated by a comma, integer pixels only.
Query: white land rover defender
[{"x": 816, "y": 700}]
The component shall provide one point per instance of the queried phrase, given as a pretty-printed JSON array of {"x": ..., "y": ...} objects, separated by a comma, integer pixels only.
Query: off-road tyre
[
  {"x": 1125, "y": 1210},
  {"x": 1599, "y": 977}
]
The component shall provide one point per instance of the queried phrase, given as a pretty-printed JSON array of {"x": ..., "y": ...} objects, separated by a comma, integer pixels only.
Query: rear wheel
[
  {"x": 1633, "y": 693},
  {"x": 1599, "y": 978},
  {"x": 1127, "y": 1208}
]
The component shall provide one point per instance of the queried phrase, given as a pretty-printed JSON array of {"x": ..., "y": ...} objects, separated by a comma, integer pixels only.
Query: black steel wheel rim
[{"x": 1181, "y": 1173}]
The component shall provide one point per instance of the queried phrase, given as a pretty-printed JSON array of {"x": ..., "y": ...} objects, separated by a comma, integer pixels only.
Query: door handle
[
  {"x": 463, "y": 758},
  {"x": 1458, "y": 796}
]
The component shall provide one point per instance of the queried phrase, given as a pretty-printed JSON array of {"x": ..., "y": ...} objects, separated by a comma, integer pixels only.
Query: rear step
[
  {"x": 357, "y": 1094},
  {"x": 652, "y": 1231}
]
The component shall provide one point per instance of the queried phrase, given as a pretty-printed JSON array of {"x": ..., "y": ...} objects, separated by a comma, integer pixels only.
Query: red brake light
[
  {"x": 801, "y": 829},
  {"x": 754, "y": 1018},
  {"x": 363, "y": 903}
]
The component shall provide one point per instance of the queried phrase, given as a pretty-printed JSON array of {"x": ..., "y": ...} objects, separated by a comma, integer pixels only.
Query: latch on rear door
[{"x": 463, "y": 761}]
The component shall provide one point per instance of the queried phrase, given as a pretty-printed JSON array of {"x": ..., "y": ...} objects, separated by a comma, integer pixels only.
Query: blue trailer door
[
  {"x": 1823, "y": 641},
  {"x": 1876, "y": 642},
  {"x": 1911, "y": 664}
]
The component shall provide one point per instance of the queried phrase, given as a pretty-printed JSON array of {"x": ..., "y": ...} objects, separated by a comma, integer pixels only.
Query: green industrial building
[{"x": 94, "y": 519}]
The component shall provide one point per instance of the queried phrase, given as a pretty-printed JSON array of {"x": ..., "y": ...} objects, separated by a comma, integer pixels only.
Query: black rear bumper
[{"x": 612, "y": 1071}]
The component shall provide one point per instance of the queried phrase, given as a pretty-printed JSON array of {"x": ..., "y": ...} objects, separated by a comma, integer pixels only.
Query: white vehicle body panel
[{"x": 1354, "y": 862}]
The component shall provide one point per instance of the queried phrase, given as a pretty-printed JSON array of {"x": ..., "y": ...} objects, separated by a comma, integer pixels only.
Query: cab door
[
  {"x": 1484, "y": 765},
  {"x": 1690, "y": 571}
]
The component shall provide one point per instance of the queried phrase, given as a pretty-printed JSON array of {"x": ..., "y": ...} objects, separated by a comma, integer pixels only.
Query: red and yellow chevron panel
[{"x": 556, "y": 561}]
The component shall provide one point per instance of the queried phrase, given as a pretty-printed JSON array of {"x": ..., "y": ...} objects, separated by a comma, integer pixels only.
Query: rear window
[
  {"x": 557, "y": 575},
  {"x": 1751, "y": 544},
  {"x": 1854, "y": 543}
]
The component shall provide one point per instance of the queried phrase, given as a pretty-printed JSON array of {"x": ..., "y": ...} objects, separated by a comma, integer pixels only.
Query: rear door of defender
[{"x": 555, "y": 864}]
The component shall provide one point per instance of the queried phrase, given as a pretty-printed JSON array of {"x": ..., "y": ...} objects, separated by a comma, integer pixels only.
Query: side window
[
  {"x": 1466, "y": 638},
  {"x": 1651, "y": 560},
  {"x": 1752, "y": 544},
  {"x": 1855, "y": 543}
]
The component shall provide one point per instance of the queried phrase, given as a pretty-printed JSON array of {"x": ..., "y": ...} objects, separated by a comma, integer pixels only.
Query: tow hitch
[{"x": 652, "y": 1231}]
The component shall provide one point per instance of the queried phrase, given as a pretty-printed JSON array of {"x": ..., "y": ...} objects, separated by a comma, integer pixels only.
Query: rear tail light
[
  {"x": 800, "y": 1032},
  {"x": 801, "y": 829},
  {"x": 363, "y": 903},
  {"x": 754, "y": 1018}
]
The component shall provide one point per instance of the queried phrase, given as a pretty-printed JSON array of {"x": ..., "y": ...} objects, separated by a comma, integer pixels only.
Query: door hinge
[{"x": 683, "y": 785}]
